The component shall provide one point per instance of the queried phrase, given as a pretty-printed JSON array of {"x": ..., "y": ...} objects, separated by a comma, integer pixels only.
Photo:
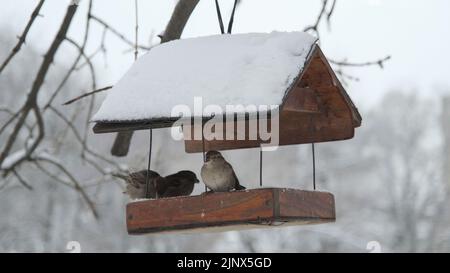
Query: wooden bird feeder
[{"x": 285, "y": 70}]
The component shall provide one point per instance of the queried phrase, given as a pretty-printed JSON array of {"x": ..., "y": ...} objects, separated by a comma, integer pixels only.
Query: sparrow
[
  {"x": 218, "y": 175},
  {"x": 178, "y": 184}
]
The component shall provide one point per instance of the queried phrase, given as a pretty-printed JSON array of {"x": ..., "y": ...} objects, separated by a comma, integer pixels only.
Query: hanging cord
[
  {"x": 314, "y": 165},
  {"x": 230, "y": 23},
  {"x": 147, "y": 178},
  {"x": 203, "y": 142},
  {"x": 219, "y": 17},
  {"x": 136, "y": 50},
  {"x": 260, "y": 166},
  {"x": 203, "y": 147},
  {"x": 136, "y": 53},
  {"x": 313, "y": 151}
]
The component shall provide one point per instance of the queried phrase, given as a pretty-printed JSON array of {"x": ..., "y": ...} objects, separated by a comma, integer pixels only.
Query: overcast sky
[{"x": 414, "y": 32}]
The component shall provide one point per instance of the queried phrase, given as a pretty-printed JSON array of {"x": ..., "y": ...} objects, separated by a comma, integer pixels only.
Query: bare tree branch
[
  {"x": 29, "y": 149},
  {"x": 87, "y": 95},
  {"x": 117, "y": 33},
  {"x": 80, "y": 138},
  {"x": 77, "y": 186},
  {"x": 31, "y": 102},
  {"x": 314, "y": 28},
  {"x": 379, "y": 62},
  {"x": 178, "y": 20},
  {"x": 77, "y": 59},
  {"x": 325, "y": 13},
  {"x": 22, "y": 180},
  {"x": 23, "y": 37},
  {"x": 12, "y": 117}
]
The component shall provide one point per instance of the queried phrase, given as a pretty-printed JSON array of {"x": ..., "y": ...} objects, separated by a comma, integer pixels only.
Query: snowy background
[{"x": 390, "y": 182}]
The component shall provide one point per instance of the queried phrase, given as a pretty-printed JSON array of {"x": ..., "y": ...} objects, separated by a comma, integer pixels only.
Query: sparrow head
[
  {"x": 211, "y": 155},
  {"x": 188, "y": 176}
]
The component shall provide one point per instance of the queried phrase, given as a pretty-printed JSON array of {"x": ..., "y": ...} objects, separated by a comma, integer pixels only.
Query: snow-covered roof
[{"x": 239, "y": 69}]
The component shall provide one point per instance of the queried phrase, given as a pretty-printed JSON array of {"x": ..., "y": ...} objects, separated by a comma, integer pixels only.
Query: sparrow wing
[
  {"x": 151, "y": 174},
  {"x": 161, "y": 185},
  {"x": 153, "y": 180},
  {"x": 140, "y": 178},
  {"x": 237, "y": 186},
  {"x": 172, "y": 191}
]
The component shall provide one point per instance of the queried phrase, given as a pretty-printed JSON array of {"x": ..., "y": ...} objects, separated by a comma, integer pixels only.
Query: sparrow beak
[{"x": 197, "y": 181}]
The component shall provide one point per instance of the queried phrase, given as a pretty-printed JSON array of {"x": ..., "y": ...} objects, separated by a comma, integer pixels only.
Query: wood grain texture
[
  {"x": 306, "y": 203},
  {"x": 302, "y": 100},
  {"x": 258, "y": 207},
  {"x": 316, "y": 109}
]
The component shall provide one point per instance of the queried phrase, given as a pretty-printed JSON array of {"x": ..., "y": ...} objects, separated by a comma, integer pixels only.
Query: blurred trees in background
[{"x": 390, "y": 181}]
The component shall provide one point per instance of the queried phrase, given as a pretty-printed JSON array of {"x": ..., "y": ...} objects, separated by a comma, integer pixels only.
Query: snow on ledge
[{"x": 239, "y": 69}]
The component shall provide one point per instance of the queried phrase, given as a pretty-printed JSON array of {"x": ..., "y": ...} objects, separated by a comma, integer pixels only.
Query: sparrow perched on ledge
[
  {"x": 178, "y": 184},
  {"x": 218, "y": 175}
]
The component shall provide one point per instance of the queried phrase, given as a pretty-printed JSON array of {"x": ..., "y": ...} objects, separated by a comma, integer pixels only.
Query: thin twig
[
  {"x": 23, "y": 37},
  {"x": 379, "y": 62},
  {"x": 88, "y": 61},
  {"x": 80, "y": 139},
  {"x": 136, "y": 45},
  {"x": 117, "y": 33},
  {"x": 87, "y": 95},
  {"x": 322, "y": 12},
  {"x": 22, "y": 181},
  {"x": 13, "y": 116},
  {"x": 331, "y": 11},
  {"x": 75, "y": 182}
]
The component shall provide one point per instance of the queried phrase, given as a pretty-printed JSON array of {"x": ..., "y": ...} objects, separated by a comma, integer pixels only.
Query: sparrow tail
[{"x": 121, "y": 176}]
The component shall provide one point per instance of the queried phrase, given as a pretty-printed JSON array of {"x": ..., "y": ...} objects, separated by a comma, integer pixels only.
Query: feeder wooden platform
[{"x": 265, "y": 207}]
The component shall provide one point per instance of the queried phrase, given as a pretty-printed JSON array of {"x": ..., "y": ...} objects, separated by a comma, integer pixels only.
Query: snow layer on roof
[{"x": 239, "y": 69}]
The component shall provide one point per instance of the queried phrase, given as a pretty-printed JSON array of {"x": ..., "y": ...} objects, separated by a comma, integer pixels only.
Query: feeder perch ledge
[{"x": 265, "y": 207}]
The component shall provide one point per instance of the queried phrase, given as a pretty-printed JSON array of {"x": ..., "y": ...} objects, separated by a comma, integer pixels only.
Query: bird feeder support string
[
  {"x": 203, "y": 147},
  {"x": 147, "y": 178},
  {"x": 136, "y": 53},
  {"x": 260, "y": 166},
  {"x": 230, "y": 23},
  {"x": 219, "y": 17},
  {"x": 313, "y": 152},
  {"x": 314, "y": 165}
]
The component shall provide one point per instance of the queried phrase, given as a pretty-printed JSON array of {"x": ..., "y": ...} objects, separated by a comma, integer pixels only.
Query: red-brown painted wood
[{"x": 232, "y": 210}]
